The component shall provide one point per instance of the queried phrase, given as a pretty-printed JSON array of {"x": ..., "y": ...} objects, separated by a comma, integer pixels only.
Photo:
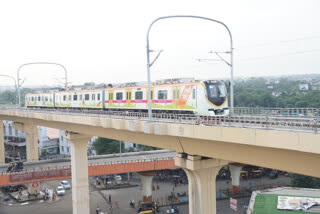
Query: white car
[
  {"x": 65, "y": 184},
  {"x": 60, "y": 191}
]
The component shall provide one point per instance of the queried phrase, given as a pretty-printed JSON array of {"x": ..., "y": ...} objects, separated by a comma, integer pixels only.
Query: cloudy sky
[{"x": 105, "y": 41}]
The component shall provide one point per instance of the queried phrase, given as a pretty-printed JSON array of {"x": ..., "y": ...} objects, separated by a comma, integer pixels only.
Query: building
[
  {"x": 65, "y": 148},
  {"x": 48, "y": 139},
  {"x": 51, "y": 142},
  {"x": 14, "y": 142},
  {"x": 284, "y": 200}
]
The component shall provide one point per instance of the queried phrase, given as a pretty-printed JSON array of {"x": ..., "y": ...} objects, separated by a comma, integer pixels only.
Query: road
[{"x": 123, "y": 196}]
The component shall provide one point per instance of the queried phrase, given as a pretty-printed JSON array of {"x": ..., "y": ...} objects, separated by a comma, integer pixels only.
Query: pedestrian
[
  {"x": 28, "y": 195},
  {"x": 109, "y": 198},
  {"x": 117, "y": 204},
  {"x": 172, "y": 210},
  {"x": 98, "y": 210},
  {"x": 168, "y": 211},
  {"x": 158, "y": 187}
]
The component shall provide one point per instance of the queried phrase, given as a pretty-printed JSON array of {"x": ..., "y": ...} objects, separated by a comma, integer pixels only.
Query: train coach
[{"x": 207, "y": 98}]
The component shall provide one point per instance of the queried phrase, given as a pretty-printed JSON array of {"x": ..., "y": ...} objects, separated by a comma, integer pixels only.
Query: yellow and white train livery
[{"x": 207, "y": 98}]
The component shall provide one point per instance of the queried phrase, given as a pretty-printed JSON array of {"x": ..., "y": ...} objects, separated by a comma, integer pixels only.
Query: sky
[{"x": 104, "y": 41}]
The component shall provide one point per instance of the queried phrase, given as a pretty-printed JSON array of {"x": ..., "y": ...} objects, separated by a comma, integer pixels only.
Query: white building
[{"x": 65, "y": 148}]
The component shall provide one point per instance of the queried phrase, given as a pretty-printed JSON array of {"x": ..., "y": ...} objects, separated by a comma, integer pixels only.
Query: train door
[
  {"x": 110, "y": 98},
  {"x": 152, "y": 96},
  {"x": 174, "y": 96},
  {"x": 128, "y": 97},
  {"x": 176, "y": 93}
]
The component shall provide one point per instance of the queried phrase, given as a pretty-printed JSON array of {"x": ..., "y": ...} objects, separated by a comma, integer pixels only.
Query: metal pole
[
  {"x": 120, "y": 148},
  {"x": 148, "y": 57},
  {"x": 15, "y": 85},
  {"x": 40, "y": 63}
]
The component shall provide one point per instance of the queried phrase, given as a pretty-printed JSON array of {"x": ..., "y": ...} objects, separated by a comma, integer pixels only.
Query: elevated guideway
[
  {"x": 203, "y": 144},
  {"x": 284, "y": 143}
]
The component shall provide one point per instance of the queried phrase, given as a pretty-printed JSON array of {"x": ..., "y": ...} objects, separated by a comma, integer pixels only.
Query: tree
[
  {"x": 304, "y": 181},
  {"x": 107, "y": 146},
  {"x": 89, "y": 84},
  {"x": 147, "y": 148}
]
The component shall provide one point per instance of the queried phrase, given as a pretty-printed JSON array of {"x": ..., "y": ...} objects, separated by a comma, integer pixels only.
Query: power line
[
  {"x": 284, "y": 54},
  {"x": 278, "y": 42}
]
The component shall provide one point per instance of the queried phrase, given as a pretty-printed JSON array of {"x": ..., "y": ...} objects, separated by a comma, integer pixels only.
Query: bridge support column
[
  {"x": 202, "y": 181},
  {"x": 79, "y": 172},
  {"x": 146, "y": 183},
  {"x": 31, "y": 131},
  {"x": 2, "y": 151},
  {"x": 235, "y": 177}
]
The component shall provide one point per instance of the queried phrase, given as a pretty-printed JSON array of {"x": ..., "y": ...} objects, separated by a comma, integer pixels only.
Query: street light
[
  {"x": 39, "y": 63},
  {"x": 15, "y": 85},
  {"x": 148, "y": 57}
]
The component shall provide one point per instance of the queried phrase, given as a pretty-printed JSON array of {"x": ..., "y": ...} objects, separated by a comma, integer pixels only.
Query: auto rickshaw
[{"x": 147, "y": 207}]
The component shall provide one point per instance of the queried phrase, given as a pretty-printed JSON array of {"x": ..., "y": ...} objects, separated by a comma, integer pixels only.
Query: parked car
[
  {"x": 65, "y": 184},
  {"x": 60, "y": 190}
]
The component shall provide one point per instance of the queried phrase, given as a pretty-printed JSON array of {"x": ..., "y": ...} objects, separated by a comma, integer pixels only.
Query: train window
[
  {"x": 70, "y": 97},
  {"x": 119, "y": 96},
  {"x": 80, "y": 97},
  {"x": 178, "y": 94},
  {"x": 99, "y": 96},
  {"x": 93, "y": 96},
  {"x": 64, "y": 97},
  {"x": 151, "y": 95},
  {"x": 75, "y": 97},
  {"x": 162, "y": 94},
  {"x": 174, "y": 94},
  {"x": 138, "y": 95},
  {"x": 46, "y": 98},
  {"x": 32, "y": 99},
  {"x": 194, "y": 93},
  {"x": 86, "y": 96}
]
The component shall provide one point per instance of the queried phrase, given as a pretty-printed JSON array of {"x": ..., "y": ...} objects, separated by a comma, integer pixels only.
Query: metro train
[{"x": 183, "y": 96}]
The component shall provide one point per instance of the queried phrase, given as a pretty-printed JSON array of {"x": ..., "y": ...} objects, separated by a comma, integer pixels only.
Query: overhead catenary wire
[
  {"x": 277, "y": 42},
  {"x": 280, "y": 55}
]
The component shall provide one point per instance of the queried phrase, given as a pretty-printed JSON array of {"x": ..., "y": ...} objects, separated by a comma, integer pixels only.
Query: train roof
[{"x": 132, "y": 85}]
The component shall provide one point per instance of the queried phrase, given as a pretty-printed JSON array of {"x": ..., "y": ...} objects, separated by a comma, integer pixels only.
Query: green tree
[
  {"x": 43, "y": 152},
  {"x": 147, "y": 148},
  {"x": 304, "y": 181},
  {"x": 107, "y": 146}
]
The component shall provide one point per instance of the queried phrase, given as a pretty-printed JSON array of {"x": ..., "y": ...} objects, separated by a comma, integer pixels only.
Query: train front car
[{"x": 216, "y": 99}]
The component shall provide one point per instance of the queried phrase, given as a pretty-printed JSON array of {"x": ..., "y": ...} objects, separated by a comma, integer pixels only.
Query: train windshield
[{"x": 216, "y": 92}]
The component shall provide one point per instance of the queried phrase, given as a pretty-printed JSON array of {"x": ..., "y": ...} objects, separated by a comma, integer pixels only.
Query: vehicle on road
[
  {"x": 147, "y": 207},
  {"x": 60, "y": 191},
  {"x": 65, "y": 184},
  {"x": 15, "y": 166}
]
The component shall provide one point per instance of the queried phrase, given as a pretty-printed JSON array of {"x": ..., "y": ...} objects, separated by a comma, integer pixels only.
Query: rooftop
[{"x": 266, "y": 201}]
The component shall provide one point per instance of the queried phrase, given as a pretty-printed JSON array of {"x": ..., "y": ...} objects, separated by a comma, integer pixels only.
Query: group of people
[{"x": 173, "y": 209}]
